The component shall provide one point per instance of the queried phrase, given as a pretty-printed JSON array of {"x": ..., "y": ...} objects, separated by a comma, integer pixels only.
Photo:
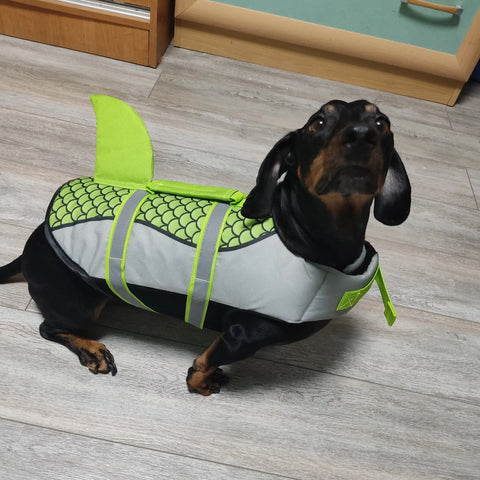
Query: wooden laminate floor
[{"x": 358, "y": 401}]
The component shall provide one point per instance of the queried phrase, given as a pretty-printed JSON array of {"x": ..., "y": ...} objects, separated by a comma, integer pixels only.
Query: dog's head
[{"x": 344, "y": 153}]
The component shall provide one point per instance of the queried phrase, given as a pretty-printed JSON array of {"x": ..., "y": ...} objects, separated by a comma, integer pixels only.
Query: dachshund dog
[{"x": 318, "y": 184}]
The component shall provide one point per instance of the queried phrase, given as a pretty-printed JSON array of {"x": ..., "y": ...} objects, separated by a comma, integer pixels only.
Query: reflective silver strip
[
  {"x": 117, "y": 247},
  {"x": 205, "y": 266}
]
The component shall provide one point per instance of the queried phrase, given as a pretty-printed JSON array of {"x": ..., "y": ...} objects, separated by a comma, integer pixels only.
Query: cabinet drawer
[
  {"x": 136, "y": 31},
  {"x": 387, "y": 19}
]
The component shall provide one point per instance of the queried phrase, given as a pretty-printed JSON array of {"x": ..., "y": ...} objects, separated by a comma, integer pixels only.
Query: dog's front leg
[
  {"x": 243, "y": 337},
  {"x": 205, "y": 377}
]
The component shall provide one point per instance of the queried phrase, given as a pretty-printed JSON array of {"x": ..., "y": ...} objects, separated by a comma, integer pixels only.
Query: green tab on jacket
[
  {"x": 217, "y": 194},
  {"x": 352, "y": 297},
  {"x": 389, "y": 312}
]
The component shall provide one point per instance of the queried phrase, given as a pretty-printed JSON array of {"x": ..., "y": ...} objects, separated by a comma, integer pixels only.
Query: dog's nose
[{"x": 359, "y": 135}]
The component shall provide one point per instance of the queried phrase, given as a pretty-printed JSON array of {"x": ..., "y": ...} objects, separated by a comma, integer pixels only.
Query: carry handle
[
  {"x": 435, "y": 6},
  {"x": 217, "y": 194}
]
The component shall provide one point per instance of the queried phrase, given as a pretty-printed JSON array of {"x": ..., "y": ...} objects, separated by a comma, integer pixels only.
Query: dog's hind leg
[
  {"x": 91, "y": 353},
  {"x": 67, "y": 303},
  {"x": 242, "y": 338}
]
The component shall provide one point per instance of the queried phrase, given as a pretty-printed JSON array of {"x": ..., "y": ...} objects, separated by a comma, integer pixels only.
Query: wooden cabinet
[
  {"x": 137, "y": 32},
  {"x": 383, "y": 44}
]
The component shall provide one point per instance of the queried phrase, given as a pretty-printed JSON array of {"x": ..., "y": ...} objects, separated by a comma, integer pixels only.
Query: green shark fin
[{"x": 124, "y": 155}]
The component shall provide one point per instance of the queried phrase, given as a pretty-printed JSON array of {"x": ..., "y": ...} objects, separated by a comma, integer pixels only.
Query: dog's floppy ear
[
  {"x": 392, "y": 204},
  {"x": 259, "y": 201}
]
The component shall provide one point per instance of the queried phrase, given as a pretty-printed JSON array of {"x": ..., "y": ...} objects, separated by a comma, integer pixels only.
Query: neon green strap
[
  {"x": 389, "y": 312},
  {"x": 117, "y": 248},
  {"x": 217, "y": 194},
  {"x": 204, "y": 265},
  {"x": 352, "y": 297}
]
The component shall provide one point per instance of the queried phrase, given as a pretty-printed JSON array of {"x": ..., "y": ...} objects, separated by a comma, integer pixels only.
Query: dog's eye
[
  {"x": 318, "y": 124},
  {"x": 382, "y": 124}
]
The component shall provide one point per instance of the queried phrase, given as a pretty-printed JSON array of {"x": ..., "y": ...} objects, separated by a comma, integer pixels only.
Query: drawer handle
[{"x": 435, "y": 6}]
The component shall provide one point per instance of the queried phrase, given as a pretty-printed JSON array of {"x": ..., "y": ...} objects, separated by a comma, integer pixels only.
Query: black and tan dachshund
[{"x": 318, "y": 183}]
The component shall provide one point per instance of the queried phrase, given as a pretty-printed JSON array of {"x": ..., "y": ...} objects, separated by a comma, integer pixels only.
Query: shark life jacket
[{"x": 135, "y": 235}]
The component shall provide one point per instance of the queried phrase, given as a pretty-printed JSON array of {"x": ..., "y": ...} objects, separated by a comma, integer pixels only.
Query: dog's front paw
[
  {"x": 205, "y": 383},
  {"x": 98, "y": 359}
]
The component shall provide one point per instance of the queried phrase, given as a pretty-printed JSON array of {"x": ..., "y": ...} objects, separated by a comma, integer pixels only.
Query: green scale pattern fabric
[{"x": 83, "y": 199}]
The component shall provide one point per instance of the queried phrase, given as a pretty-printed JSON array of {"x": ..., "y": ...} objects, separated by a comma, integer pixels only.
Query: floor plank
[
  {"x": 412, "y": 111},
  {"x": 474, "y": 177},
  {"x": 246, "y": 91},
  {"x": 43, "y": 454},
  {"x": 48, "y": 143},
  {"x": 42, "y": 67},
  {"x": 430, "y": 280},
  {"x": 26, "y": 191},
  {"x": 465, "y": 121},
  {"x": 442, "y": 182},
  {"x": 446, "y": 146},
  {"x": 437, "y": 226}
]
